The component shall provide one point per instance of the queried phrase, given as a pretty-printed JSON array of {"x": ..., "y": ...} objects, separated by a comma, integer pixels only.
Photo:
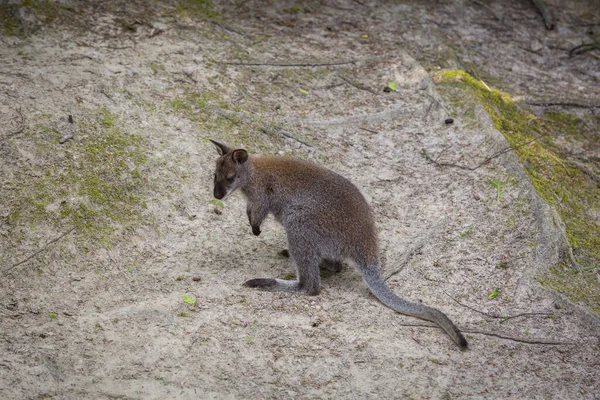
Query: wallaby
[{"x": 325, "y": 217}]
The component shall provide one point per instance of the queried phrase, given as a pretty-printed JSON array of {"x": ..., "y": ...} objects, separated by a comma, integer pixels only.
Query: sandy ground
[{"x": 121, "y": 328}]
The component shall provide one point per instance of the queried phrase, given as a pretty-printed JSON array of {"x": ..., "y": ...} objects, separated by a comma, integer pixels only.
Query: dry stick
[
  {"x": 525, "y": 314},
  {"x": 40, "y": 250},
  {"x": 546, "y": 13},
  {"x": 356, "y": 85},
  {"x": 497, "y": 154},
  {"x": 230, "y": 29},
  {"x": 267, "y": 127},
  {"x": 518, "y": 339},
  {"x": 474, "y": 309},
  {"x": 583, "y": 48},
  {"x": 504, "y": 318},
  {"x": 561, "y": 104},
  {"x": 274, "y": 64},
  {"x": 368, "y": 130},
  {"x": 498, "y": 335}
]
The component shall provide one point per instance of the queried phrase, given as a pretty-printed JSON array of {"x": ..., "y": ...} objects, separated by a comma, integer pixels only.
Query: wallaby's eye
[{"x": 230, "y": 179}]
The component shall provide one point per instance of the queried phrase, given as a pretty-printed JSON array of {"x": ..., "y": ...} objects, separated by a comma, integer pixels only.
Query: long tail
[{"x": 387, "y": 297}]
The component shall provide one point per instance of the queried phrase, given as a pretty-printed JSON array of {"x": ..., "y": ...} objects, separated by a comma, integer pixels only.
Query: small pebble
[
  {"x": 448, "y": 120},
  {"x": 196, "y": 279}
]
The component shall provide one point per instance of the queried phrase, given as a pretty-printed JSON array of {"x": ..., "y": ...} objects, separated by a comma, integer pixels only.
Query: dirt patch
[{"x": 96, "y": 267}]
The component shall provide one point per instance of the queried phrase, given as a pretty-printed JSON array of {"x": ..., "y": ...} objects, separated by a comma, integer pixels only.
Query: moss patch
[
  {"x": 94, "y": 183},
  {"x": 26, "y": 17},
  {"x": 196, "y": 9},
  {"x": 558, "y": 180}
]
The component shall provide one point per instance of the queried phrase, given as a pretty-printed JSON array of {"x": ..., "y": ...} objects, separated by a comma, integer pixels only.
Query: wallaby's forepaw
[
  {"x": 263, "y": 283},
  {"x": 256, "y": 230}
]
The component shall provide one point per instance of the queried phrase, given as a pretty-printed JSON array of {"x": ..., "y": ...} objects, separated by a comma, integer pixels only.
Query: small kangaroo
[{"x": 326, "y": 219}]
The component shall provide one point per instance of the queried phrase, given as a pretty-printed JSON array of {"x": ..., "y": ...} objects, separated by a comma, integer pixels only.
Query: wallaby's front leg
[{"x": 257, "y": 212}]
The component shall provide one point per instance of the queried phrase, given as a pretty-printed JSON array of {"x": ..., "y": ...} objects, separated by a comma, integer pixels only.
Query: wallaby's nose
[{"x": 218, "y": 194}]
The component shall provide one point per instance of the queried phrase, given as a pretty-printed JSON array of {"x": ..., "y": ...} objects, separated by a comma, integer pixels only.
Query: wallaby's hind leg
[
  {"x": 307, "y": 273},
  {"x": 326, "y": 264},
  {"x": 332, "y": 266}
]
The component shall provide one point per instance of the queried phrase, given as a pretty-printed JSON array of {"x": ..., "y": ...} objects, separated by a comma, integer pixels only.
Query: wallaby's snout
[{"x": 219, "y": 192}]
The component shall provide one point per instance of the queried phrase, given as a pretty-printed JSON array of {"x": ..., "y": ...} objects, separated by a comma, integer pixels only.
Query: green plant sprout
[{"x": 497, "y": 184}]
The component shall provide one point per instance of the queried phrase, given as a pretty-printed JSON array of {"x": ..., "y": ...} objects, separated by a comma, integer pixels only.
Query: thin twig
[
  {"x": 498, "y": 335},
  {"x": 474, "y": 309},
  {"x": 40, "y": 250},
  {"x": 497, "y": 154},
  {"x": 561, "y": 104},
  {"x": 107, "y": 95},
  {"x": 368, "y": 130},
  {"x": 583, "y": 48},
  {"x": 266, "y": 127},
  {"x": 546, "y": 13},
  {"x": 230, "y": 29},
  {"x": 503, "y": 318},
  {"x": 525, "y": 314},
  {"x": 357, "y": 85},
  {"x": 518, "y": 339},
  {"x": 284, "y": 64}
]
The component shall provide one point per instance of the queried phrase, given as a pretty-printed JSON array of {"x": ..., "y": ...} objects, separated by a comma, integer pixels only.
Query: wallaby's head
[{"x": 232, "y": 170}]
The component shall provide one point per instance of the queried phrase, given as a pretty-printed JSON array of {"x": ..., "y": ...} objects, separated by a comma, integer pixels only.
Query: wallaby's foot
[
  {"x": 284, "y": 253},
  {"x": 273, "y": 285},
  {"x": 261, "y": 283},
  {"x": 280, "y": 285}
]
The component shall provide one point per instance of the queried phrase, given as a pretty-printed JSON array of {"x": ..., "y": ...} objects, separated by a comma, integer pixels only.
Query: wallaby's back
[{"x": 305, "y": 195}]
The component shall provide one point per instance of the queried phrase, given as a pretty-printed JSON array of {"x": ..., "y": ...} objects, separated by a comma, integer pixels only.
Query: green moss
[
  {"x": 11, "y": 24},
  {"x": 578, "y": 286},
  {"x": 94, "y": 183},
  {"x": 154, "y": 67},
  {"x": 557, "y": 180},
  {"x": 196, "y": 9}
]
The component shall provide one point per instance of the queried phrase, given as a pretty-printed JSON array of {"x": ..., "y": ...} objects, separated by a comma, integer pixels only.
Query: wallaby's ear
[
  {"x": 221, "y": 148},
  {"x": 240, "y": 156}
]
